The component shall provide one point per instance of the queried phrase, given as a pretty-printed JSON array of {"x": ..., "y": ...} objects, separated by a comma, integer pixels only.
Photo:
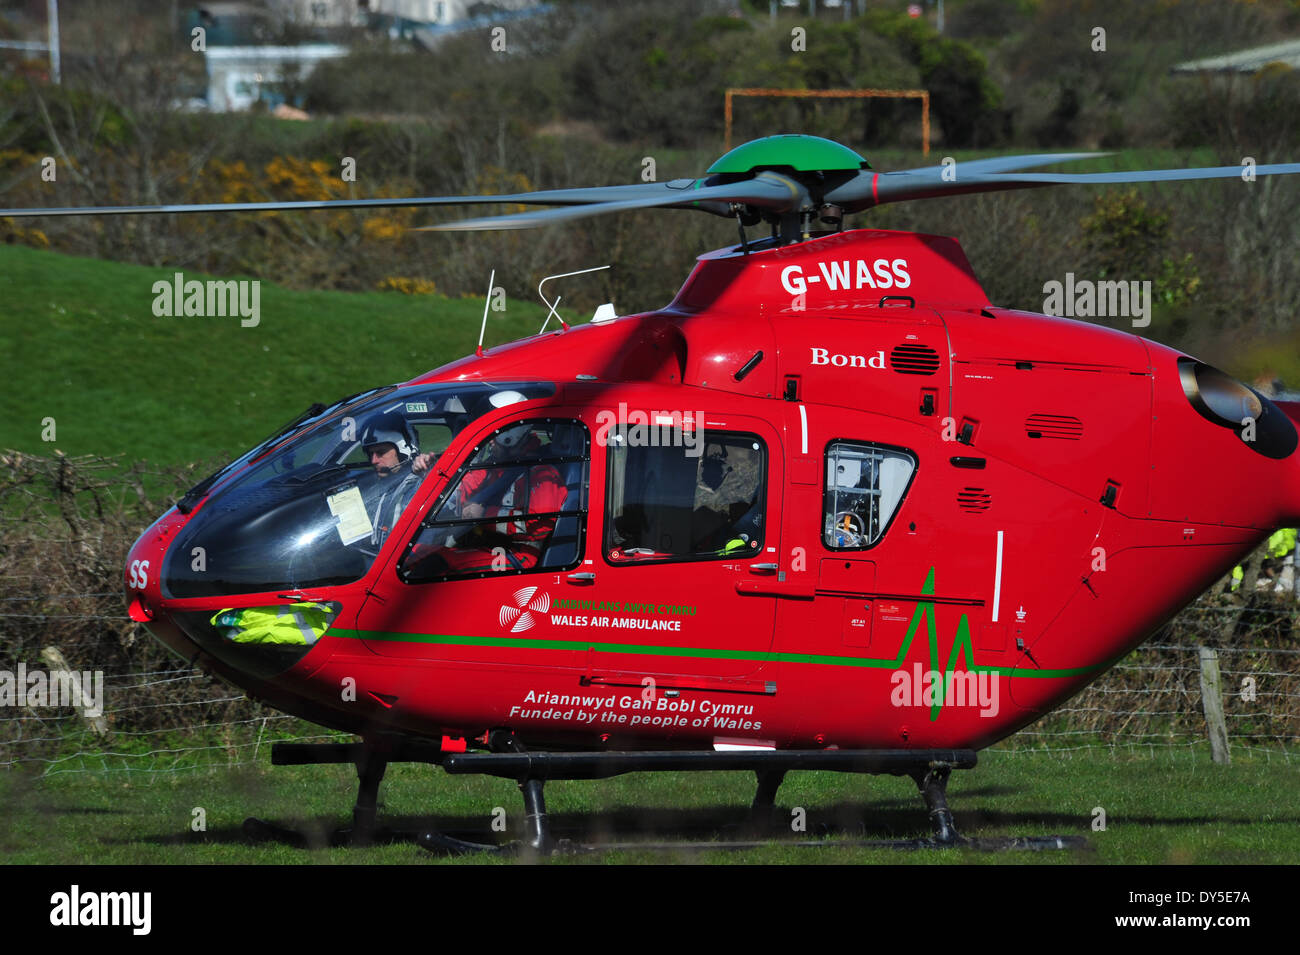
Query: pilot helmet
[
  {"x": 513, "y": 438},
  {"x": 390, "y": 428}
]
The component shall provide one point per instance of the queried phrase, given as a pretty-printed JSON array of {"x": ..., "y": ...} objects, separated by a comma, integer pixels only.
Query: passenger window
[
  {"x": 518, "y": 505},
  {"x": 865, "y": 484},
  {"x": 693, "y": 496}
]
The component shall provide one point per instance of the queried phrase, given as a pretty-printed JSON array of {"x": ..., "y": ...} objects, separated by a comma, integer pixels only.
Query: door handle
[
  {"x": 777, "y": 588},
  {"x": 582, "y": 577},
  {"x": 762, "y": 568}
]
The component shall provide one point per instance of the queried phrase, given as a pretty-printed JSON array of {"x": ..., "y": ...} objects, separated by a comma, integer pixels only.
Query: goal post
[{"x": 922, "y": 95}]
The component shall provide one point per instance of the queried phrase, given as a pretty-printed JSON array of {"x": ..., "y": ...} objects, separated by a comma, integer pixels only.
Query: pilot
[{"x": 388, "y": 442}]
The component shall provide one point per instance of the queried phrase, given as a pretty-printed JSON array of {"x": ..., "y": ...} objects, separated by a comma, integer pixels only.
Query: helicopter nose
[
  {"x": 142, "y": 579},
  {"x": 243, "y": 643}
]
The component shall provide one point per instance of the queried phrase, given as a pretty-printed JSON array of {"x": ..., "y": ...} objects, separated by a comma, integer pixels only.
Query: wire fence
[
  {"x": 66, "y": 525},
  {"x": 176, "y": 719},
  {"x": 1155, "y": 699}
]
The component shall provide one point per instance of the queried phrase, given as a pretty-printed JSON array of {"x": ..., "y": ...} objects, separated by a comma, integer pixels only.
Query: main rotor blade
[
  {"x": 871, "y": 189},
  {"x": 1161, "y": 175},
  {"x": 558, "y": 197},
  {"x": 767, "y": 190},
  {"x": 1002, "y": 163},
  {"x": 862, "y": 191}
]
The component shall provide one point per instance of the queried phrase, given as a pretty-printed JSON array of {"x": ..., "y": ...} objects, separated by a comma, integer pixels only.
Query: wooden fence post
[
  {"x": 1212, "y": 701},
  {"x": 90, "y": 708}
]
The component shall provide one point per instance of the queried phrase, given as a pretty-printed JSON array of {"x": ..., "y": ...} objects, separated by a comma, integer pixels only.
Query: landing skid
[{"x": 929, "y": 769}]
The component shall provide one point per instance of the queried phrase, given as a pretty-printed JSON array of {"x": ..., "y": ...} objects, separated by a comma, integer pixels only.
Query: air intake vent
[
  {"x": 914, "y": 360},
  {"x": 974, "y": 500},
  {"x": 1060, "y": 426}
]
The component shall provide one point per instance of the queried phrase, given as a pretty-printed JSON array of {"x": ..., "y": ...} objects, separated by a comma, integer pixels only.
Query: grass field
[
  {"x": 81, "y": 345},
  {"x": 1173, "y": 807}
]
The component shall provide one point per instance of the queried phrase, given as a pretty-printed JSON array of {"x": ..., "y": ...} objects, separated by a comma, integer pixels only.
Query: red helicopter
[{"x": 828, "y": 509}]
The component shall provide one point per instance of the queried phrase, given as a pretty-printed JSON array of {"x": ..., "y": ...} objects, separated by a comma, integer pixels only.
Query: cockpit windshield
[{"x": 317, "y": 508}]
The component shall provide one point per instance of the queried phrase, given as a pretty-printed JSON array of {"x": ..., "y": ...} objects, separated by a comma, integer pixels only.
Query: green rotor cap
[{"x": 799, "y": 152}]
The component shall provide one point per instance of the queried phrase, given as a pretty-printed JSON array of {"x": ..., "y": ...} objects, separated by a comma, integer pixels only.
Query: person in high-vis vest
[
  {"x": 1281, "y": 549},
  {"x": 1278, "y": 564}
]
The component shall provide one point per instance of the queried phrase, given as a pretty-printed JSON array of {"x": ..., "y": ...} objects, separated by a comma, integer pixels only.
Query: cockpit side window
[
  {"x": 865, "y": 484},
  {"x": 518, "y": 505}
]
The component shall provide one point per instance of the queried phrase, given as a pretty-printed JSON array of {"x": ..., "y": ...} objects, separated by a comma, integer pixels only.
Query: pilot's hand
[
  {"x": 422, "y": 462},
  {"x": 471, "y": 509}
]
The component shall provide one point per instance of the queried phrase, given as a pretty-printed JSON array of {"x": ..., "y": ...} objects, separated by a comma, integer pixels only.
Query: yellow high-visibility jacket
[{"x": 299, "y": 624}]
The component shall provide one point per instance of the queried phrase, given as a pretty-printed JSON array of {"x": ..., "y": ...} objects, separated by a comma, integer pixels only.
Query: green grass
[
  {"x": 1174, "y": 807},
  {"x": 81, "y": 345}
]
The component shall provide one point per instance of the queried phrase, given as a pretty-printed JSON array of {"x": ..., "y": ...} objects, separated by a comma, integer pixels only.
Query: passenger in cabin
[
  {"x": 515, "y": 489},
  {"x": 729, "y": 516},
  {"x": 503, "y": 512}
]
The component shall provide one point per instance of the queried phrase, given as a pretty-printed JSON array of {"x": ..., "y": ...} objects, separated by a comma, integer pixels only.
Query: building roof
[
  {"x": 304, "y": 51},
  {"x": 1246, "y": 61}
]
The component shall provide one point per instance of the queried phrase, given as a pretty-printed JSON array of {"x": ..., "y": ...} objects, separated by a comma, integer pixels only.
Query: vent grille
[
  {"x": 1063, "y": 427},
  {"x": 914, "y": 360},
  {"x": 974, "y": 500}
]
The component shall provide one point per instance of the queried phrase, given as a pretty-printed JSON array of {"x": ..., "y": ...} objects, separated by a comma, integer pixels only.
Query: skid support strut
[
  {"x": 537, "y": 830},
  {"x": 933, "y": 784},
  {"x": 371, "y": 767},
  {"x": 769, "y": 781}
]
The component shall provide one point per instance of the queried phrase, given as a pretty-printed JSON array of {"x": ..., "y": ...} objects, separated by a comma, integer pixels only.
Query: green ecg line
[{"x": 961, "y": 643}]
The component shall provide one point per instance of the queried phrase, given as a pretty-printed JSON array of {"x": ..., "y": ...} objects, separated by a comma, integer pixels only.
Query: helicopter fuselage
[{"x": 828, "y": 497}]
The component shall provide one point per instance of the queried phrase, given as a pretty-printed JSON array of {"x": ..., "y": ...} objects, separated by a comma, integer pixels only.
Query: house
[
  {"x": 250, "y": 49},
  {"x": 239, "y": 76}
]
